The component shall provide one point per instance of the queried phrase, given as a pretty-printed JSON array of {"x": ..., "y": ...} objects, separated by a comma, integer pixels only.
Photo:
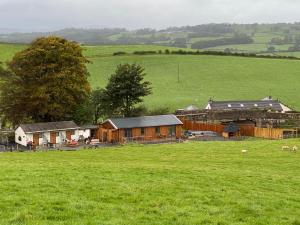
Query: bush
[
  {"x": 144, "y": 52},
  {"x": 119, "y": 53}
]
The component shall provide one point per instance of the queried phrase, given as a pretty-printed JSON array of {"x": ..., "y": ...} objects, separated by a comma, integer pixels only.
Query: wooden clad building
[{"x": 146, "y": 128}]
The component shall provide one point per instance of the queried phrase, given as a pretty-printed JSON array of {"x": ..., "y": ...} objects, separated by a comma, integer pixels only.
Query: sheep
[
  {"x": 295, "y": 149},
  {"x": 285, "y": 147},
  {"x": 244, "y": 151}
]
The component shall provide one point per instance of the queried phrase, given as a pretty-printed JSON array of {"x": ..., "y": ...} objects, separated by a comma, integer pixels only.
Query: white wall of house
[
  {"x": 20, "y": 137},
  {"x": 285, "y": 108},
  {"x": 76, "y": 135},
  {"x": 23, "y": 138},
  {"x": 85, "y": 133},
  {"x": 208, "y": 106}
]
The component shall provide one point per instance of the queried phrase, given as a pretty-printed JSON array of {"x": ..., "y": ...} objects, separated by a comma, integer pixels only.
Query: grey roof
[
  {"x": 50, "y": 126},
  {"x": 89, "y": 126},
  {"x": 231, "y": 128},
  {"x": 246, "y": 105},
  {"x": 145, "y": 121}
]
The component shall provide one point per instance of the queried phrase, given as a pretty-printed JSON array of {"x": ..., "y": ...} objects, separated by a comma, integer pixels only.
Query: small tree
[{"x": 125, "y": 89}]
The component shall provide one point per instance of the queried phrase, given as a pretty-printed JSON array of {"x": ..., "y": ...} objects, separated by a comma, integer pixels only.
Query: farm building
[
  {"x": 146, "y": 128},
  {"x": 265, "y": 104},
  {"x": 44, "y": 133}
]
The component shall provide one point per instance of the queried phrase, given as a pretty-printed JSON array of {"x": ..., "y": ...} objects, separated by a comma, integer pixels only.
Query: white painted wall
[
  {"x": 20, "y": 134},
  {"x": 85, "y": 133},
  {"x": 76, "y": 135},
  {"x": 208, "y": 106},
  {"x": 25, "y": 138}
]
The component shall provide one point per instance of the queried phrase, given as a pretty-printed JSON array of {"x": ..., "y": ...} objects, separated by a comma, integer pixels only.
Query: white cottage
[{"x": 44, "y": 133}]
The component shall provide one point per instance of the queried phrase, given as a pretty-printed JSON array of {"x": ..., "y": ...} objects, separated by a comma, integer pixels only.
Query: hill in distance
[{"x": 281, "y": 38}]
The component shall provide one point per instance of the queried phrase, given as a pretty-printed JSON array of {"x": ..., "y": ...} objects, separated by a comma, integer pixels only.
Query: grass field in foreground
[{"x": 190, "y": 183}]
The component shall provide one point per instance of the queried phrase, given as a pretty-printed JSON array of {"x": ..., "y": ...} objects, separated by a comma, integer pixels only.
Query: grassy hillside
[
  {"x": 200, "y": 183},
  {"x": 200, "y": 77}
]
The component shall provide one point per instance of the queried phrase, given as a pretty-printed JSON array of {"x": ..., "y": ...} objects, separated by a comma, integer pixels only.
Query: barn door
[
  {"x": 36, "y": 138},
  {"x": 53, "y": 137}
]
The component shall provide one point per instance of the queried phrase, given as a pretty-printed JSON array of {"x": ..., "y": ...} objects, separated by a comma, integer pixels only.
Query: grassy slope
[
  {"x": 200, "y": 183},
  {"x": 201, "y": 77}
]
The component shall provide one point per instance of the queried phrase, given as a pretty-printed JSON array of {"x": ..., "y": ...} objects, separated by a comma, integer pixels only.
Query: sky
[{"x": 49, "y": 15}]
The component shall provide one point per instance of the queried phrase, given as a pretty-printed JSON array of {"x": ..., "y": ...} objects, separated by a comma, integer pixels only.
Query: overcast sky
[{"x": 55, "y": 14}]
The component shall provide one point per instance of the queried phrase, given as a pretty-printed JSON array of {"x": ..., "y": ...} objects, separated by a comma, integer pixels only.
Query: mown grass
[{"x": 191, "y": 183}]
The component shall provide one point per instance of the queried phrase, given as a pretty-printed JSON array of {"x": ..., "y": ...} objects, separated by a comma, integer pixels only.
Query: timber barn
[{"x": 139, "y": 129}]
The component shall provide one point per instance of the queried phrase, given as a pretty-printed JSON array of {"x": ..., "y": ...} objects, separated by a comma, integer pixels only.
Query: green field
[
  {"x": 200, "y": 77},
  {"x": 191, "y": 183}
]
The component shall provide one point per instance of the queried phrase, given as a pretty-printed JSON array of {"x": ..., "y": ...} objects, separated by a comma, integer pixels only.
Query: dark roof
[
  {"x": 246, "y": 105},
  {"x": 145, "y": 121},
  {"x": 50, "y": 126},
  {"x": 90, "y": 126},
  {"x": 231, "y": 128}
]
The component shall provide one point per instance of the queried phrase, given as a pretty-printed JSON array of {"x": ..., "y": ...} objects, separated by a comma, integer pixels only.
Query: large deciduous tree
[
  {"x": 46, "y": 82},
  {"x": 125, "y": 89}
]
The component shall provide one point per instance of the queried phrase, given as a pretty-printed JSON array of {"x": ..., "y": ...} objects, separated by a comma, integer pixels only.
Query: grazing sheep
[
  {"x": 285, "y": 147},
  {"x": 295, "y": 149},
  {"x": 244, "y": 151}
]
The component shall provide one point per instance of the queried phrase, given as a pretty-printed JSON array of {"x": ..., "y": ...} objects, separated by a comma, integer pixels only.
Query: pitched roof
[
  {"x": 145, "y": 121},
  {"x": 246, "y": 105},
  {"x": 50, "y": 126}
]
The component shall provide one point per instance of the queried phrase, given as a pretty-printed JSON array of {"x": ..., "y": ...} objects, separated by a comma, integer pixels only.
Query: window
[
  {"x": 20, "y": 138},
  {"x": 157, "y": 130},
  {"x": 172, "y": 130},
  {"x": 57, "y": 134},
  {"x": 142, "y": 131},
  {"x": 128, "y": 133},
  {"x": 72, "y": 132},
  {"x": 40, "y": 135}
]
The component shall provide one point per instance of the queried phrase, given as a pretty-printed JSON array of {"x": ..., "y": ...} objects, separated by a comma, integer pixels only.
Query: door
[
  {"x": 53, "y": 137},
  {"x": 105, "y": 136},
  {"x": 36, "y": 138},
  {"x": 69, "y": 135}
]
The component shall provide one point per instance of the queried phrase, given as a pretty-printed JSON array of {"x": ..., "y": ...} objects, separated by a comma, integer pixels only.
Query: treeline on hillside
[
  {"x": 220, "y": 53},
  {"x": 236, "y": 39},
  {"x": 174, "y": 36}
]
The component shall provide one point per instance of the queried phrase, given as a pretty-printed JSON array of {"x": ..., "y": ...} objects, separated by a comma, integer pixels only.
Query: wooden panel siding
[
  {"x": 270, "y": 133},
  {"x": 36, "y": 138},
  {"x": 178, "y": 131},
  {"x": 53, "y": 137}
]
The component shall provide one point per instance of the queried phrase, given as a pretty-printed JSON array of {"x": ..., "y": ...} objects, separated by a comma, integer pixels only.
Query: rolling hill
[{"x": 200, "y": 77}]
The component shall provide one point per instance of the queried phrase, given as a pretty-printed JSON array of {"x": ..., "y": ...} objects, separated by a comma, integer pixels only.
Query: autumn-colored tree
[{"x": 46, "y": 82}]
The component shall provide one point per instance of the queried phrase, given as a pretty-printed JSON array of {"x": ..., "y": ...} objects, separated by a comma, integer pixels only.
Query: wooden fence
[
  {"x": 250, "y": 131},
  {"x": 193, "y": 125}
]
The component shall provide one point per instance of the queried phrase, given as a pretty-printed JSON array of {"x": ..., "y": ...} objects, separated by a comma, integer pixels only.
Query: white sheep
[
  {"x": 244, "y": 151},
  {"x": 295, "y": 148},
  {"x": 285, "y": 147}
]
